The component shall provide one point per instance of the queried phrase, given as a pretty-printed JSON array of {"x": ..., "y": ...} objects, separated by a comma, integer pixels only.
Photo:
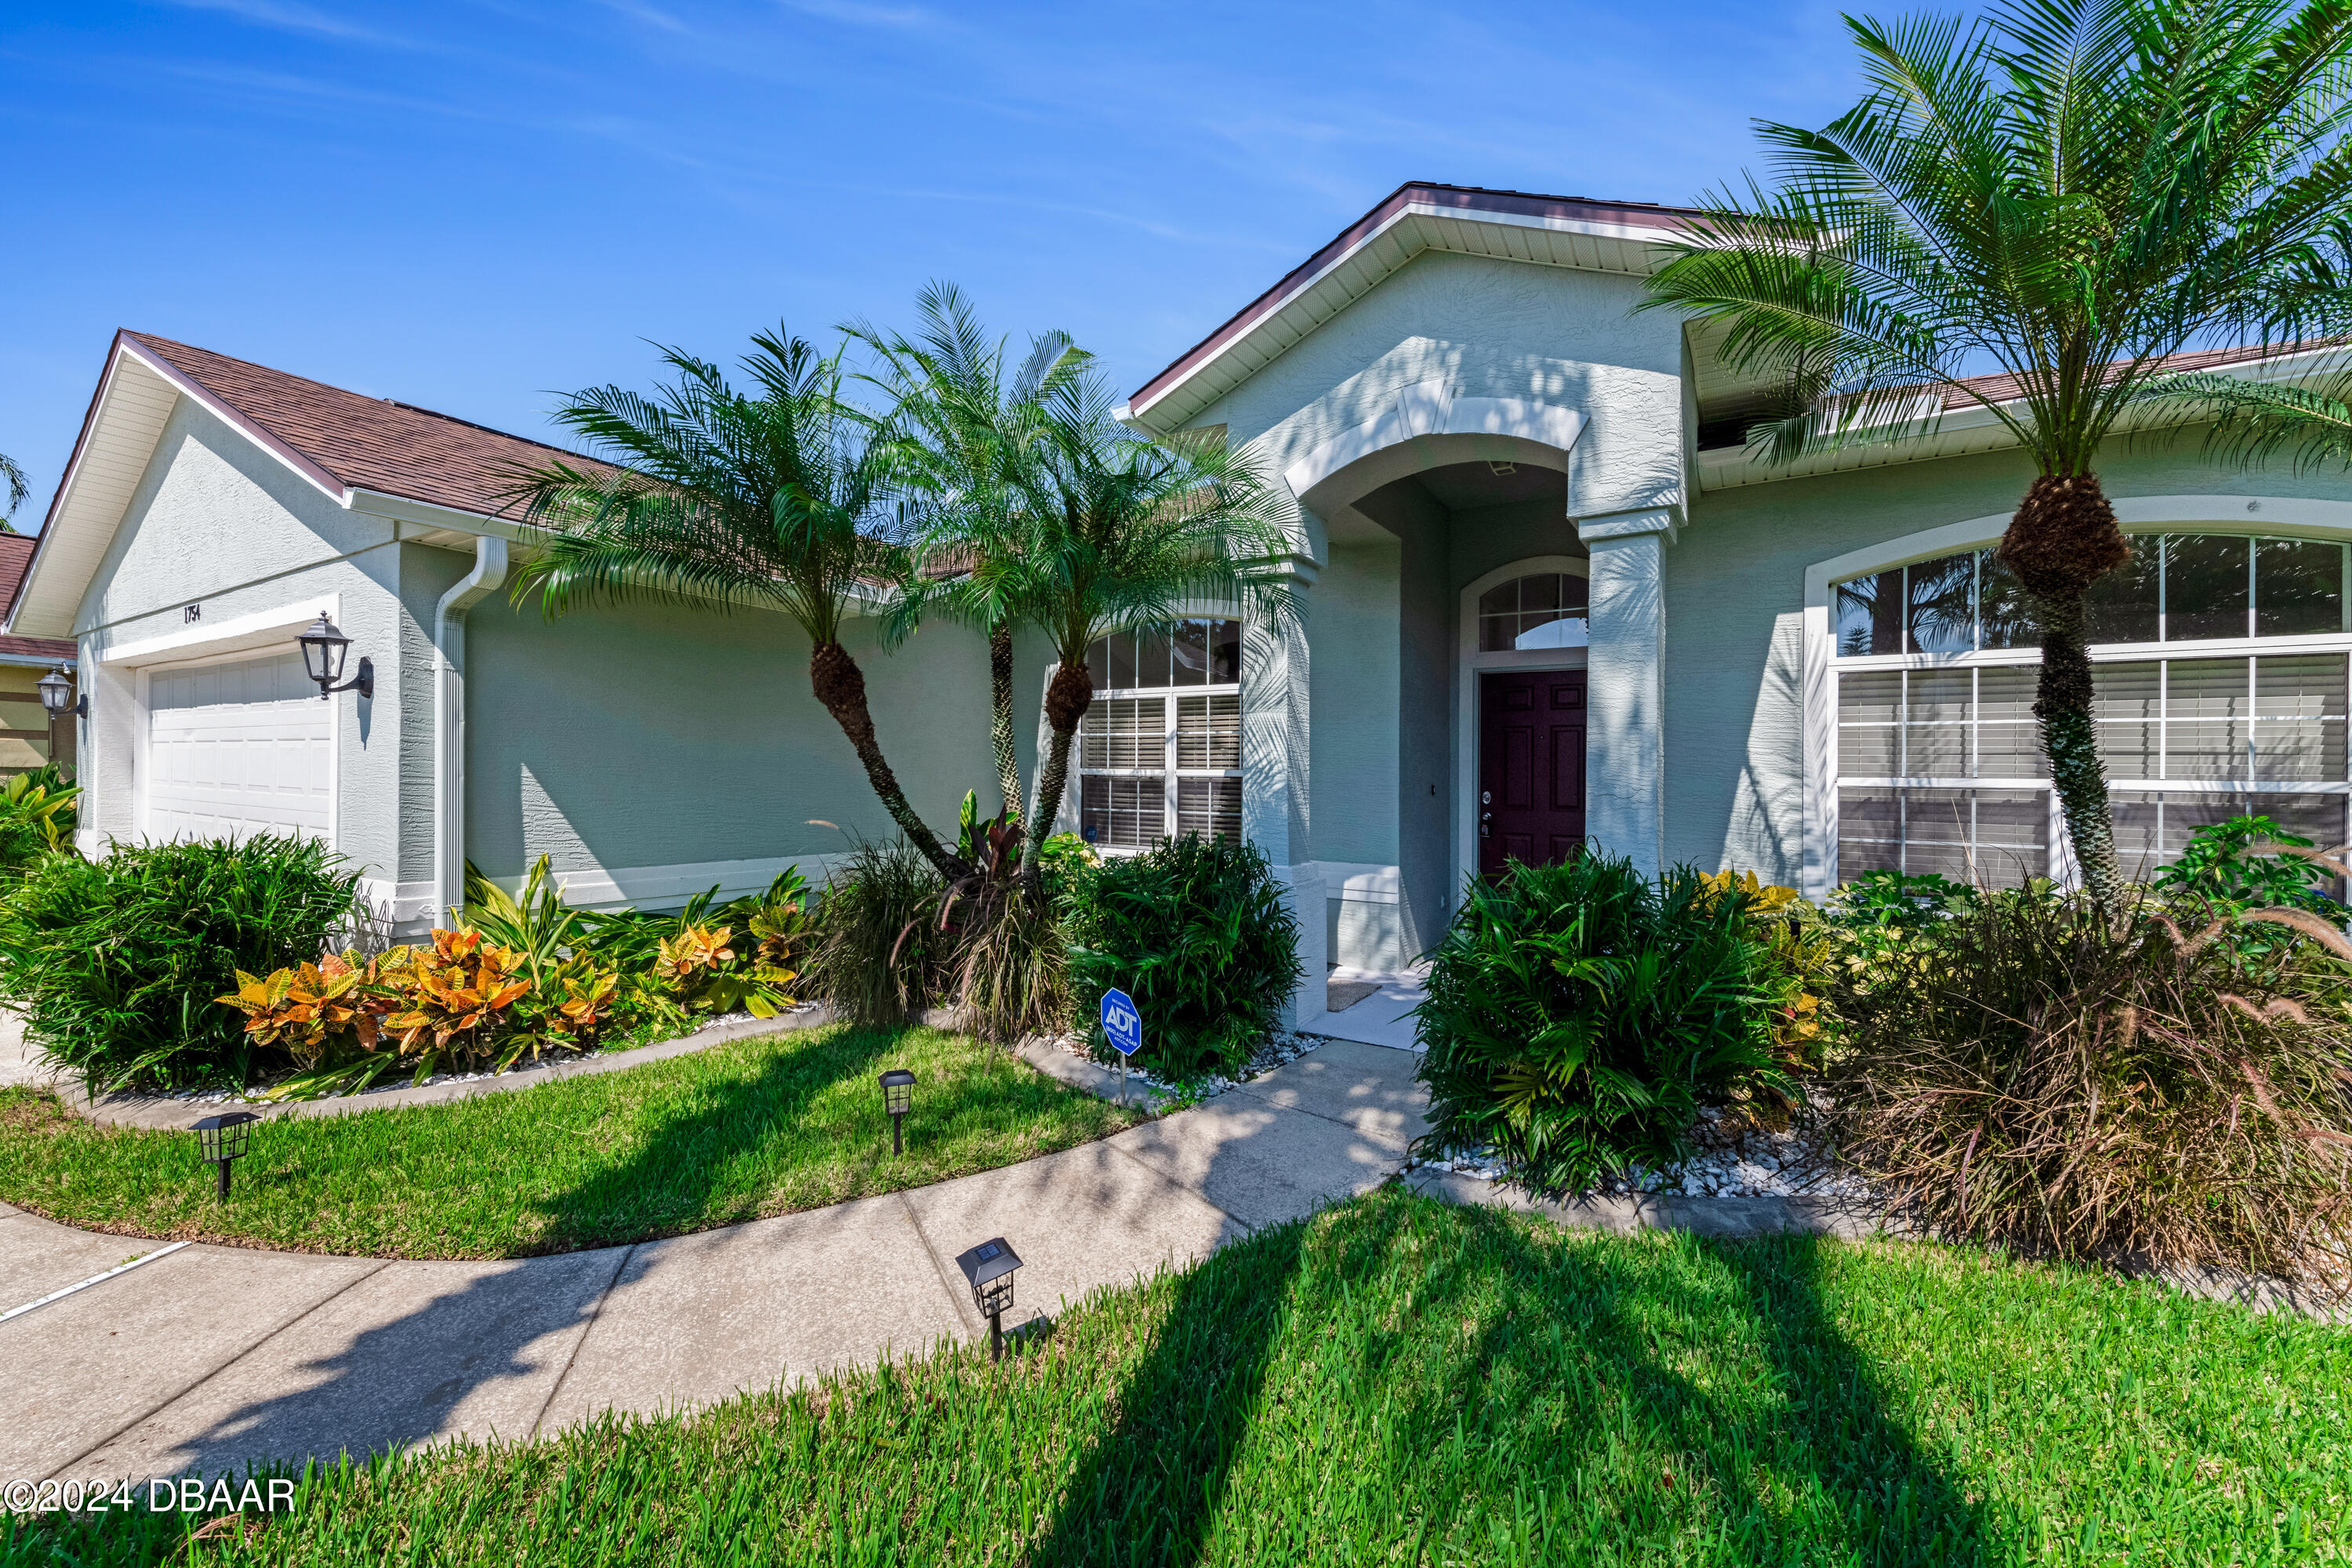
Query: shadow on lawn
[
  {"x": 666, "y": 1184},
  {"x": 1593, "y": 1400}
]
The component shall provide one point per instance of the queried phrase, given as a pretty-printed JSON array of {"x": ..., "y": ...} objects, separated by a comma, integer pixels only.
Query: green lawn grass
[
  {"x": 750, "y": 1128},
  {"x": 1396, "y": 1382}
]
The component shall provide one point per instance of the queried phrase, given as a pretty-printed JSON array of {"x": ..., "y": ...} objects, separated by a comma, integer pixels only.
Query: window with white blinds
[
  {"x": 1160, "y": 751},
  {"x": 1939, "y": 758}
]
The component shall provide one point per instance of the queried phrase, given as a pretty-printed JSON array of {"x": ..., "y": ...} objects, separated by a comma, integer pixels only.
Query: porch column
[
  {"x": 1276, "y": 802},
  {"x": 1625, "y": 747}
]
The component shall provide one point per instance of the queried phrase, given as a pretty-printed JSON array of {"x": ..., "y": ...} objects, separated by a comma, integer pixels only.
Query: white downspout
[{"x": 449, "y": 722}]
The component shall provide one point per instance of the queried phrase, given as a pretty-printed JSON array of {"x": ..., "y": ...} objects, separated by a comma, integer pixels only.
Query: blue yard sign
[{"x": 1122, "y": 1025}]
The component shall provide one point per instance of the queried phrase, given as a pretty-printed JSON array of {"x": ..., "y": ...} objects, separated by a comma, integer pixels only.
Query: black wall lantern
[
  {"x": 323, "y": 648},
  {"x": 989, "y": 1266},
  {"x": 58, "y": 697},
  {"x": 898, "y": 1094},
  {"x": 222, "y": 1140}
]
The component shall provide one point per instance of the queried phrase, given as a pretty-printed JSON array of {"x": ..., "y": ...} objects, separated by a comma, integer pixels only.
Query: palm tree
[
  {"x": 720, "y": 499},
  {"x": 959, "y": 431},
  {"x": 1116, "y": 532},
  {"x": 13, "y": 477},
  {"x": 2065, "y": 191}
]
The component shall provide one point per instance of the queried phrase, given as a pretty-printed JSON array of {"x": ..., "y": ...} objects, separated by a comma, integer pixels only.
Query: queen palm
[
  {"x": 720, "y": 499},
  {"x": 1113, "y": 532},
  {"x": 2068, "y": 192},
  {"x": 962, "y": 424},
  {"x": 12, "y": 479}
]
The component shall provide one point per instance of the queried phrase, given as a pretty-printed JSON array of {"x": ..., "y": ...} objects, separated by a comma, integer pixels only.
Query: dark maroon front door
[{"x": 1531, "y": 766}]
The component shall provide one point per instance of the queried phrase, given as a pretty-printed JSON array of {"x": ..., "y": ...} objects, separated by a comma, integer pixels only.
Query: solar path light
[
  {"x": 898, "y": 1094},
  {"x": 989, "y": 1266},
  {"x": 222, "y": 1140}
]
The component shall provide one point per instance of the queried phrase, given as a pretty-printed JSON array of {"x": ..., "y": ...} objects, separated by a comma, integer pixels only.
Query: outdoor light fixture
[
  {"x": 897, "y": 1093},
  {"x": 222, "y": 1139},
  {"x": 323, "y": 648},
  {"x": 990, "y": 1268},
  {"x": 58, "y": 697}
]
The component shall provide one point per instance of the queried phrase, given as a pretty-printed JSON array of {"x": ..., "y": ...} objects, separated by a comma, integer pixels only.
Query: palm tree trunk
[
  {"x": 1000, "y": 716},
  {"x": 2070, "y": 736},
  {"x": 1067, "y": 697},
  {"x": 840, "y": 685},
  {"x": 2062, "y": 539}
]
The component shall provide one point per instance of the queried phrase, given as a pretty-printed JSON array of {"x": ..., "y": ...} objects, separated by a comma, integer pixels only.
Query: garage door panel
[{"x": 237, "y": 749}]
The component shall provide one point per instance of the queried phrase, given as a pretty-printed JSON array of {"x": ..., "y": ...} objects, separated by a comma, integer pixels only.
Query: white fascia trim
[
  {"x": 2268, "y": 516},
  {"x": 310, "y": 473},
  {"x": 1138, "y": 416},
  {"x": 432, "y": 514},
  {"x": 255, "y": 630},
  {"x": 1954, "y": 432}
]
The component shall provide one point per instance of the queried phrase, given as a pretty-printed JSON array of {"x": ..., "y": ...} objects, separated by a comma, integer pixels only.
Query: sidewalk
[{"x": 214, "y": 1355}]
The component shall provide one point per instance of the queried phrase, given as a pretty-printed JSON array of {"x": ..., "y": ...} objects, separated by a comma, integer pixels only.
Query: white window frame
[
  {"x": 2268, "y": 517},
  {"x": 1167, "y": 771}
]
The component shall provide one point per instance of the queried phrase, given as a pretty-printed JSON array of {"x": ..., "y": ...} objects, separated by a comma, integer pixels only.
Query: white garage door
[{"x": 234, "y": 749}]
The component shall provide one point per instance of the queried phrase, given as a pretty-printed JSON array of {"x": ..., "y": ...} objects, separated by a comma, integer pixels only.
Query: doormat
[{"x": 1342, "y": 994}]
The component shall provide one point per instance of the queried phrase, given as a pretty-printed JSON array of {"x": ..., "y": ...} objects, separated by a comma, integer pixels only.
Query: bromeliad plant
[{"x": 1580, "y": 1016}]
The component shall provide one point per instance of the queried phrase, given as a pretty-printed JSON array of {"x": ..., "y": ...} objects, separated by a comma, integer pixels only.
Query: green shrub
[
  {"x": 2031, "y": 1072},
  {"x": 879, "y": 951},
  {"x": 2237, "y": 864},
  {"x": 37, "y": 817},
  {"x": 1197, "y": 931},
  {"x": 1580, "y": 1015},
  {"x": 115, "y": 964}
]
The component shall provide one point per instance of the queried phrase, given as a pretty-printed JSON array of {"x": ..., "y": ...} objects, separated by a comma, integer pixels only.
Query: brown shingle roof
[
  {"x": 2004, "y": 387},
  {"x": 366, "y": 443}
]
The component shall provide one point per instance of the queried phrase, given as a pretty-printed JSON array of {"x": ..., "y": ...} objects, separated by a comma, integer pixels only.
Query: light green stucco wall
[
  {"x": 219, "y": 523},
  {"x": 1735, "y": 589},
  {"x": 642, "y": 736}
]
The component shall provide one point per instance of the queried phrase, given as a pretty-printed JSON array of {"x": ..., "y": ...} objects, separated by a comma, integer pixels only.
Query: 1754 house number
[{"x": 187, "y": 1494}]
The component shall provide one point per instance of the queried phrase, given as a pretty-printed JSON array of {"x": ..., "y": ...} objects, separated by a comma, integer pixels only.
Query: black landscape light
[
  {"x": 898, "y": 1094},
  {"x": 58, "y": 697},
  {"x": 990, "y": 1268},
  {"x": 222, "y": 1139},
  {"x": 323, "y": 651}
]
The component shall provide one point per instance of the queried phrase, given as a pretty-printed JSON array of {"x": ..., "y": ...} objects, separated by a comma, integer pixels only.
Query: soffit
[{"x": 126, "y": 418}]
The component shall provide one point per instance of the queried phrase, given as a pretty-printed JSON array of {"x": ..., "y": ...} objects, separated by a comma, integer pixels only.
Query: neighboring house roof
[
  {"x": 16, "y": 555},
  {"x": 1417, "y": 216}
]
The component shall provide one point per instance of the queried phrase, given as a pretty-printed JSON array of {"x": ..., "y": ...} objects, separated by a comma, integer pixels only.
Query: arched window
[
  {"x": 1160, "y": 753},
  {"x": 2220, "y": 664},
  {"x": 1544, "y": 609}
]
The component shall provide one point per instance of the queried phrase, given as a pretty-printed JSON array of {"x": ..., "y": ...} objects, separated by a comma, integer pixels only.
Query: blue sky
[{"x": 473, "y": 206}]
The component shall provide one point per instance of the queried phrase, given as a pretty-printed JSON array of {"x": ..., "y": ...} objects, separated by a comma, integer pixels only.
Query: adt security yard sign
[{"x": 1123, "y": 1027}]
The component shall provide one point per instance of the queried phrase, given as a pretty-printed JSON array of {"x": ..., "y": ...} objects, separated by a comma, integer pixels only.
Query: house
[
  {"x": 1548, "y": 597},
  {"x": 28, "y": 736}
]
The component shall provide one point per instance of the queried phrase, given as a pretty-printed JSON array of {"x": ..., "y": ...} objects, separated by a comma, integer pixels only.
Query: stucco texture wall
[
  {"x": 217, "y": 523},
  {"x": 1734, "y": 593},
  {"x": 645, "y": 736}
]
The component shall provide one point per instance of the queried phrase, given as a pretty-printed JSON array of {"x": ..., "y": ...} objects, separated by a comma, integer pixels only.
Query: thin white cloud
[
  {"x": 291, "y": 16},
  {"x": 863, "y": 14}
]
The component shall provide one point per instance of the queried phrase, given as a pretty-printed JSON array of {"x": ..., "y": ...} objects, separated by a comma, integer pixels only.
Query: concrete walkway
[{"x": 215, "y": 1355}]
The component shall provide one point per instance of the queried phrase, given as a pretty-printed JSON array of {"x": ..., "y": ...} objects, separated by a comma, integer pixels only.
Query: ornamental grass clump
[
  {"x": 114, "y": 963},
  {"x": 879, "y": 950},
  {"x": 2030, "y": 1071},
  {"x": 1197, "y": 933},
  {"x": 1580, "y": 1016}
]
